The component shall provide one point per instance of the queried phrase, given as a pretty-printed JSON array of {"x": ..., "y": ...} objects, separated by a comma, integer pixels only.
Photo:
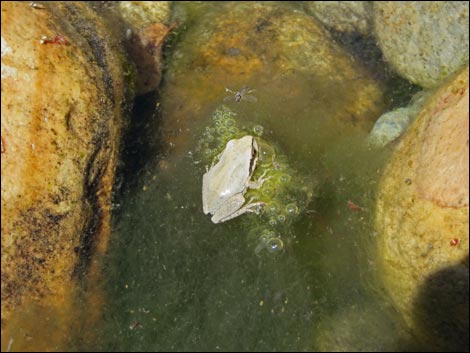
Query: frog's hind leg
[{"x": 249, "y": 207}]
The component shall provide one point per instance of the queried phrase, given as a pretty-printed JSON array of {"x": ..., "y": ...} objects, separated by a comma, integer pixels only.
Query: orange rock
[
  {"x": 61, "y": 120},
  {"x": 422, "y": 220},
  {"x": 443, "y": 160}
]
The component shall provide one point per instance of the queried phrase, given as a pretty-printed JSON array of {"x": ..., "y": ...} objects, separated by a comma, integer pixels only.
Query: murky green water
[{"x": 176, "y": 281}]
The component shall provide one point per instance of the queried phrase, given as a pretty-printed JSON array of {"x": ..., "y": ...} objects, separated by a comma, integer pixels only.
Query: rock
[
  {"x": 61, "y": 110},
  {"x": 391, "y": 125},
  {"x": 145, "y": 49},
  {"x": 343, "y": 16},
  {"x": 141, "y": 14},
  {"x": 425, "y": 42},
  {"x": 147, "y": 30},
  {"x": 422, "y": 217},
  {"x": 359, "y": 328},
  {"x": 297, "y": 69}
]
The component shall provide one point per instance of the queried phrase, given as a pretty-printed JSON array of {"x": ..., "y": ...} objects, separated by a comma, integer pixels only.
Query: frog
[{"x": 225, "y": 183}]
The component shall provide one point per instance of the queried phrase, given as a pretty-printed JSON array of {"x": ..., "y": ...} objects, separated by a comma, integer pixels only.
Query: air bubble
[
  {"x": 258, "y": 130},
  {"x": 272, "y": 221},
  {"x": 229, "y": 122},
  {"x": 281, "y": 218},
  {"x": 292, "y": 208},
  {"x": 275, "y": 245},
  {"x": 285, "y": 178}
]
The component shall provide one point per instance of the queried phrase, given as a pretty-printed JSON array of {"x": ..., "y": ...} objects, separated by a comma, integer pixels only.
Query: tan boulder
[
  {"x": 301, "y": 75},
  {"x": 62, "y": 98},
  {"x": 422, "y": 219}
]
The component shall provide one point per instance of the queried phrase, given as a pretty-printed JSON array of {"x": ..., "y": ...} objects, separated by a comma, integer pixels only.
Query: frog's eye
[{"x": 254, "y": 154}]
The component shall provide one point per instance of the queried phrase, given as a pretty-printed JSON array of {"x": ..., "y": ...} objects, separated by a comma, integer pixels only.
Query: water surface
[{"x": 176, "y": 281}]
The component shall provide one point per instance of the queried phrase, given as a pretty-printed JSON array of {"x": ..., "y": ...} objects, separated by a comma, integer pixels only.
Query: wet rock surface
[
  {"x": 422, "y": 216},
  {"x": 281, "y": 52},
  {"x": 425, "y": 42},
  {"x": 63, "y": 88},
  {"x": 343, "y": 16},
  {"x": 147, "y": 26}
]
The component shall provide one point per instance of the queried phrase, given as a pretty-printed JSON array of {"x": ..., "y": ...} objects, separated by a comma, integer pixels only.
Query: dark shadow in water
[
  {"x": 441, "y": 310},
  {"x": 398, "y": 91},
  {"x": 141, "y": 143}
]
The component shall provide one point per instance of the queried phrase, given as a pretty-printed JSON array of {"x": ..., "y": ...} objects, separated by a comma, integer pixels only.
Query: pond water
[{"x": 176, "y": 281}]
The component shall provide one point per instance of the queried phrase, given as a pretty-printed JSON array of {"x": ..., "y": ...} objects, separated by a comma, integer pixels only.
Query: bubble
[
  {"x": 221, "y": 130},
  {"x": 281, "y": 218},
  {"x": 275, "y": 245},
  {"x": 267, "y": 233},
  {"x": 209, "y": 138},
  {"x": 272, "y": 221},
  {"x": 273, "y": 207},
  {"x": 258, "y": 130},
  {"x": 268, "y": 191},
  {"x": 233, "y": 131},
  {"x": 229, "y": 122},
  {"x": 285, "y": 178},
  {"x": 292, "y": 208}
]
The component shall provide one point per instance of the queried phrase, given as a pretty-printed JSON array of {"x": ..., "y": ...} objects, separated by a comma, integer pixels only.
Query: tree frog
[{"x": 224, "y": 185}]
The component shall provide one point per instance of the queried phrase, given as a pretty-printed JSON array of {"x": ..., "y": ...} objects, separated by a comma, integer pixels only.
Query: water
[{"x": 176, "y": 281}]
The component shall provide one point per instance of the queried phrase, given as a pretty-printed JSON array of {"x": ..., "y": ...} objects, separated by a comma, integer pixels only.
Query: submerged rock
[
  {"x": 422, "y": 219},
  {"x": 63, "y": 88},
  {"x": 141, "y": 14},
  {"x": 300, "y": 74},
  {"x": 343, "y": 16},
  {"x": 391, "y": 125},
  {"x": 359, "y": 328},
  {"x": 424, "y": 41}
]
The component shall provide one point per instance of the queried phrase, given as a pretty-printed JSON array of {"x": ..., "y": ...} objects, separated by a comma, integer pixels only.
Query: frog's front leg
[
  {"x": 258, "y": 183},
  {"x": 233, "y": 207}
]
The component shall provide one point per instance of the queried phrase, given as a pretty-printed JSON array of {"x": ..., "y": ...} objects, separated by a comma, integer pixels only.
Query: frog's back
[{"x": 229, "y": 176}]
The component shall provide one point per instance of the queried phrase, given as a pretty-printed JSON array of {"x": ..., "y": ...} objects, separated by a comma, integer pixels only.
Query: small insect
[
  {"x": 353, "y": 207},
  {"x": 454, "y": 242},
  {"x": 244, "y": 94},
  {"x": 58, "y": 39}
]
